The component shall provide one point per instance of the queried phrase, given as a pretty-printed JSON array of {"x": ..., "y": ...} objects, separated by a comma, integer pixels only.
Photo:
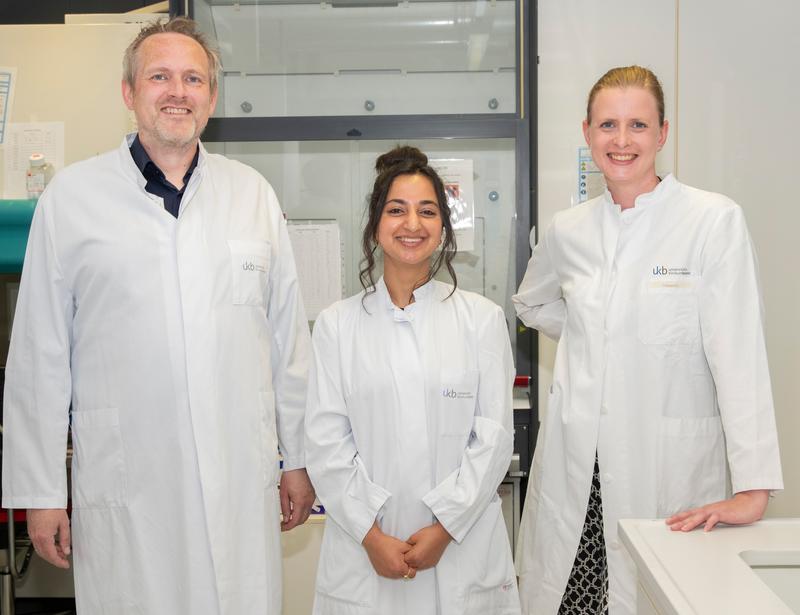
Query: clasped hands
[{"x": 400, "y": 559}]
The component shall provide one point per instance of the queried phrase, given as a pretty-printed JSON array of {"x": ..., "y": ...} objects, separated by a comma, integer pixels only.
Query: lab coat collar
[
  {"x": 128, "y": 164},
  {"x": 662, "y": 191},
  {"x": 421, "y": 294},
  {"x": 132, "y": 171}
]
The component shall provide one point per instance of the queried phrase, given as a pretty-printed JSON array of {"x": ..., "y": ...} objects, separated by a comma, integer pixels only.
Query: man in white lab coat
[{"x": 159, "y": 298}]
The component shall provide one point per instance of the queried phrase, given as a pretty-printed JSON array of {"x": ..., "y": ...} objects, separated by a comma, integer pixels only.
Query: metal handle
[{"x": 17, "y": 573}]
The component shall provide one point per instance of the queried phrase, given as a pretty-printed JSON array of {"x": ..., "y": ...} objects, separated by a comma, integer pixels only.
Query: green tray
[{"x": 15, "y": 222}]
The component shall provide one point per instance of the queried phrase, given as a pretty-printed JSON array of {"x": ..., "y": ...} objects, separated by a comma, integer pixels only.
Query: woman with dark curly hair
[{"x": 409, "y": 426}]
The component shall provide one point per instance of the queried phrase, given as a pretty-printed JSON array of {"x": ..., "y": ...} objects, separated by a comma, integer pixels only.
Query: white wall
[
  {"x": 738, "y": 104},
  {"x": 730, "y": 73}
]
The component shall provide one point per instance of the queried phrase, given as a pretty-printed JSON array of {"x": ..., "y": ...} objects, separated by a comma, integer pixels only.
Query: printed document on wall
[
  {"x": 459, "y": 186},
  {"x": 22, "y": 140},
  {"x": 591, "y": 182},
  {"x": 318, "y": 256},
  {"x": 8, "y": 78}
]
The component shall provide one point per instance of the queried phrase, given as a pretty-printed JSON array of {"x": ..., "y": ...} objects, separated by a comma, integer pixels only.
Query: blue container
[{"x": 15, "y": 222}]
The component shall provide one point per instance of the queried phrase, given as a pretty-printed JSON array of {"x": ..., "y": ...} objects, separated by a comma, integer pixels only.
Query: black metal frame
[
  {"x": 529, "y": 338},
  {"x": 521, "y": 126},
  {"x": 180, "y": 7},
  {"x": 361, "y": 127}
]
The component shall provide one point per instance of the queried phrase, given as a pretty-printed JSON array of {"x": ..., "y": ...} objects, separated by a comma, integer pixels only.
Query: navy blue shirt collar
[{"x": 157, "y": 182}]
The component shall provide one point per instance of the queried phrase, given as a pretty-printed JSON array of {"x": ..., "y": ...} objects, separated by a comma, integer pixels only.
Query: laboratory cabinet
[
  {"x": 331, "y": 58},
  {"x": 312, "y": 92}
]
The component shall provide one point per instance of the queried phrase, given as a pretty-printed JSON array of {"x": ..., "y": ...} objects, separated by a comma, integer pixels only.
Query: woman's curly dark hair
[{"x": 404, "y": 160}]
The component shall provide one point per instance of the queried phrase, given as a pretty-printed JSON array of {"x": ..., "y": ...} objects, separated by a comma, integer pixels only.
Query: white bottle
[{"x": 40, "y": 172}]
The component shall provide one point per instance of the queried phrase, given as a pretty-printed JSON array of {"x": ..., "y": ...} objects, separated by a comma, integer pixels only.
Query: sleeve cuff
[
  {"x": 294, "y": 463},
  {"x": 363, "y": 523},
  {"x": 20, "y": 503},
  {"x": 773, "y": 485},
  {"x": 439, "y": 507}
]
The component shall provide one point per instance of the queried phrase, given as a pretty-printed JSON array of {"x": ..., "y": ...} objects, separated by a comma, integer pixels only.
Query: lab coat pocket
[
  {"x": 668, "y": 311},
  {"x": 269, "y": 439},
  {"x": 250, "y": 270},
  {"x": 345, "y": 573},
  {"x": 485, "y": 566},
  {"x": 692, "y": 467},
  {"x": 99, "y": 477},
  {"x": 456, "y": 416}
]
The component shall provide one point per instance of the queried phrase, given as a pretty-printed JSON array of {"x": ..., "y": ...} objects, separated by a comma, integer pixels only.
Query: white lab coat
[
  {"x": 661, "y": 352},
  {"x": 410, "y": 420},
  {"x": 179, "y": 343}
]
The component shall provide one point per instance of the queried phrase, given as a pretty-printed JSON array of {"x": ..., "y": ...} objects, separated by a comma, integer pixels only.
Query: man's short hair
[{"x": 178, "y": 25}]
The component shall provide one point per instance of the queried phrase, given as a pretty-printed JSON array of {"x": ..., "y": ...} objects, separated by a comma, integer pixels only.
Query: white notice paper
[
  {"x": 591, "y": 182},
  {"x": 8, "y": 77},
  {"x": 318, "y": 255},
  {"x": 22, "y": 140},
  {"x": 459, "y": 186}
]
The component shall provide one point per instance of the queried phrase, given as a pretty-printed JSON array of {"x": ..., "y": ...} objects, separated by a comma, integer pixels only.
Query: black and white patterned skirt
[{"x": 587, "y": 587}]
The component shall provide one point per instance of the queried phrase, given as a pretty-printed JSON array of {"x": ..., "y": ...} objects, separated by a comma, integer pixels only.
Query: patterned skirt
[{"x": 587, "y": 587}]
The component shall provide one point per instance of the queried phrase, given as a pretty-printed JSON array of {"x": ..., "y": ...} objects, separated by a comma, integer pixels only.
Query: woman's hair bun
[{"x": 401, "y": 155}]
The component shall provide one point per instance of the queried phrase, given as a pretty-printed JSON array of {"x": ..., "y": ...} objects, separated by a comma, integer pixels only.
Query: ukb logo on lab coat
[{"x": 453, "y": 394}]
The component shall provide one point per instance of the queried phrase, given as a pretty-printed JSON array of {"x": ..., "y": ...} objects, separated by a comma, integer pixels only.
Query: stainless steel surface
[{"x": 6, "y": 594}]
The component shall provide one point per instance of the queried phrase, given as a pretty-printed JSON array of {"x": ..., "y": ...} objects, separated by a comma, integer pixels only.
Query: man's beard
[{"x": 178, "y": 139}]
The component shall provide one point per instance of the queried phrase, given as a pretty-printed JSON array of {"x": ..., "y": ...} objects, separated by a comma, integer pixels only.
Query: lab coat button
[
  {"x": 607, "y": 478},
  {"x": 603, "y": 410},
  {"x": 614, "y": 545}
]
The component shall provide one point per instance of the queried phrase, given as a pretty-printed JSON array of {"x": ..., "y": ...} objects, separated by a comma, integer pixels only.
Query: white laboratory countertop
[{"x": 704, "y": 573}]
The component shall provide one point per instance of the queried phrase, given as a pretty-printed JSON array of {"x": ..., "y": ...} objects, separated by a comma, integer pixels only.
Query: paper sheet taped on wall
[
  {"x": 460, "y": 188},
  {"x": 591, "y": 182},
  {"x": 8, "y": 77},
  {"x": 318, "y": 254},
  {"x": 22, "y": 140}
]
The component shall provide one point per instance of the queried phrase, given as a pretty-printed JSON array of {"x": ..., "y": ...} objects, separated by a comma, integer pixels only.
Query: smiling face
[
  {"x": 410, "y": 228},
  {"x": 624, "y": 136},
  {"x": 171, "y": 95}
]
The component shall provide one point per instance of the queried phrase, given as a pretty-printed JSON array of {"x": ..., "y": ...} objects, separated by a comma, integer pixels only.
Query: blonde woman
[{"x": 661, "y": 386}]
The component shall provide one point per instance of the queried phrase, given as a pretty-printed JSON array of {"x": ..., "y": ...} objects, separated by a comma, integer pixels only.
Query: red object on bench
[
  {"x": 522, "y": 381},
  {"x": 20, "y": 516}
]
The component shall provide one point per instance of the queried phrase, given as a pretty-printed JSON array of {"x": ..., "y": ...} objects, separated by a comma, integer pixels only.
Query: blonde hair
[
  {"x": 178, "y": 25},
  {"x": 628, "y": 77}
]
